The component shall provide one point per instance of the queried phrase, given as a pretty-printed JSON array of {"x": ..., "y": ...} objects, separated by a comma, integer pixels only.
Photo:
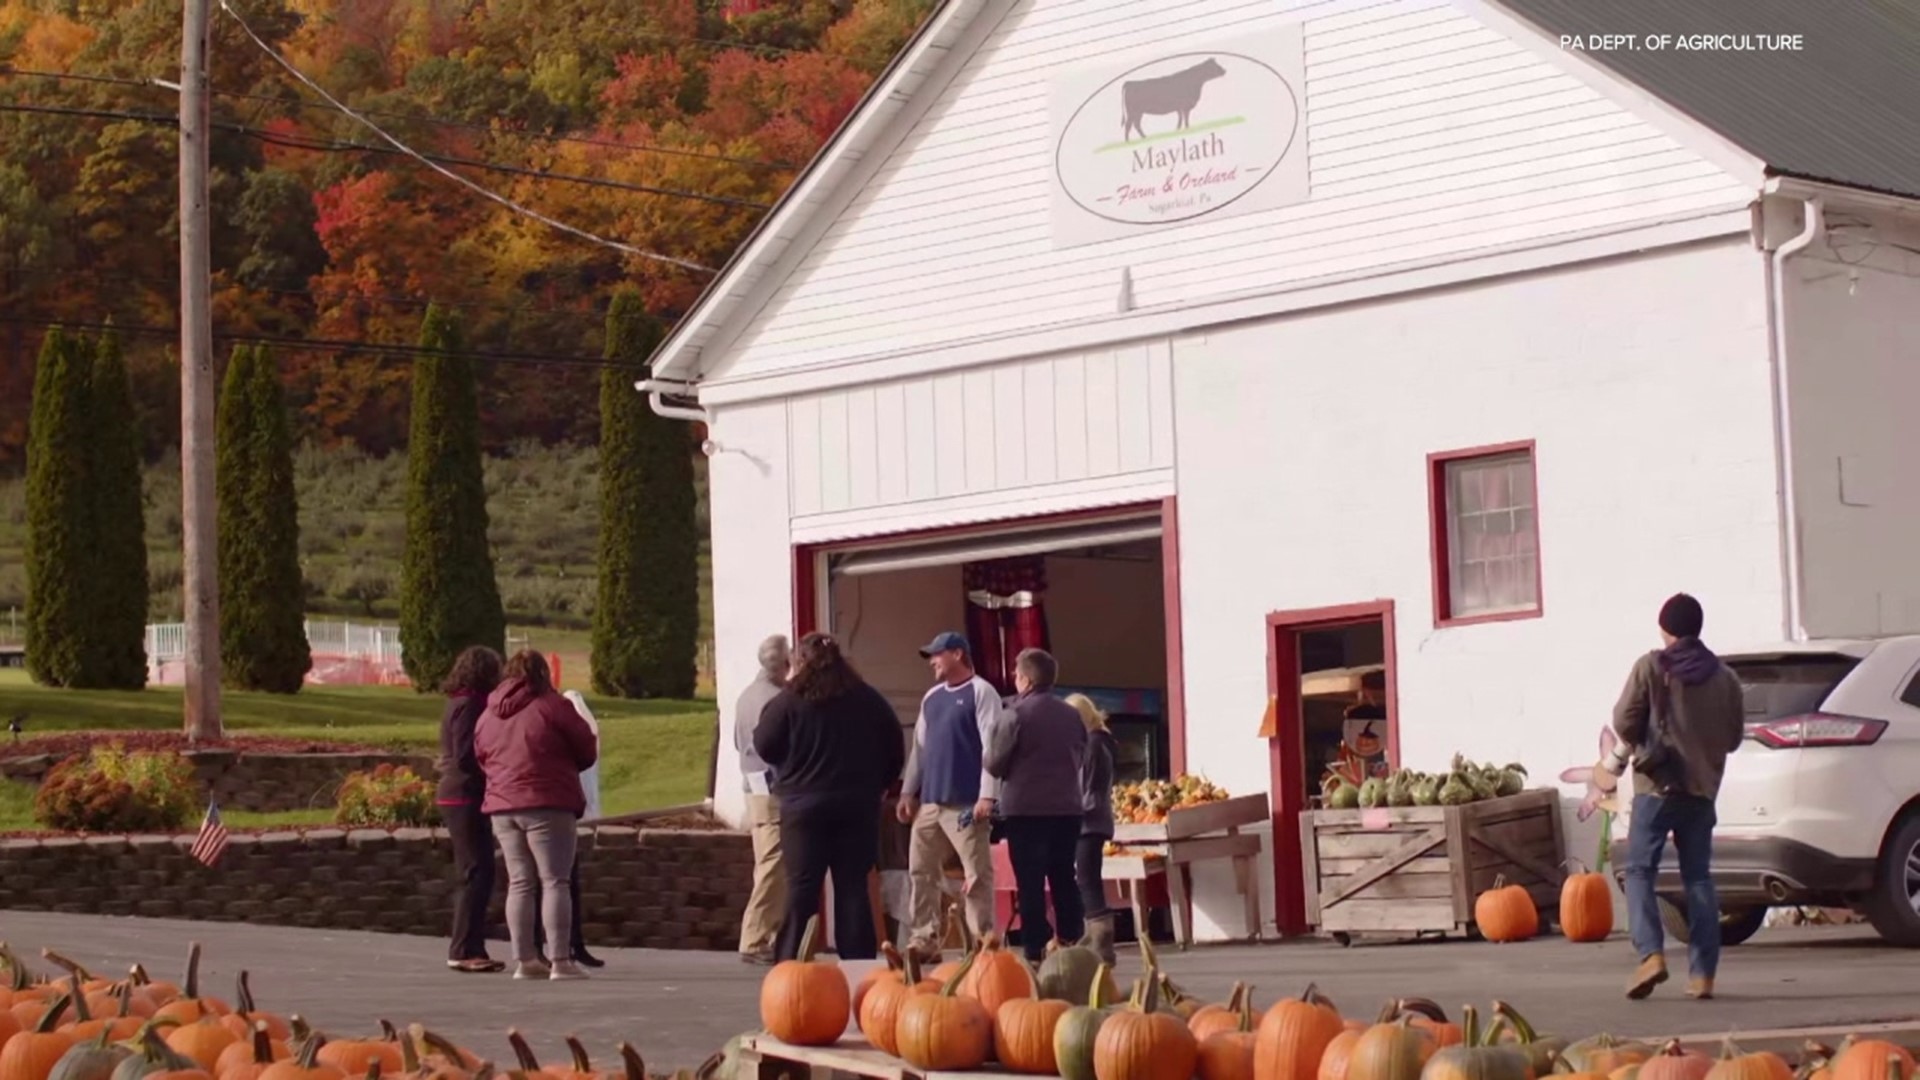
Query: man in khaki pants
[
  {"x": 767, "y": 906},
  {"x": 947, "y": 793}
]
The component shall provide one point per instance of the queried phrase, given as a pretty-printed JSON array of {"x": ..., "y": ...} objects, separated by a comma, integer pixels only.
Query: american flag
[{"x": 212, "y": 841}]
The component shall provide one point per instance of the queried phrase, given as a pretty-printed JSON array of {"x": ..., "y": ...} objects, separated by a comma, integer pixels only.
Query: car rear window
[{"x": 1779, "y": 687}]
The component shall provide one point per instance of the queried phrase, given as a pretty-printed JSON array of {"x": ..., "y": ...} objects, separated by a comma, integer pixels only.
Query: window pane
[
  {"x": 1500, "y": 584},
  {"x": 1529, "y": 537},
  {"x": 1473, "y": 589},
  {"x": 1499, "y": 487},
  {"x": 1464, "y": 492},
  {"x": 1522, "y": 473},
  {"x": 1528, "y": 569}
]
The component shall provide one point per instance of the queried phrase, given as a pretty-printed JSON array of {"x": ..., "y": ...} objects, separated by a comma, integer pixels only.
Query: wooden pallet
[
  {"x": 1417, "y": 870},
  {"x": 763, "y": 1057}
]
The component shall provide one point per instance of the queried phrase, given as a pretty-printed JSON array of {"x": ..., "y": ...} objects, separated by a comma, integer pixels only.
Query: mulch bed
[{"x": 66, "y": 743}]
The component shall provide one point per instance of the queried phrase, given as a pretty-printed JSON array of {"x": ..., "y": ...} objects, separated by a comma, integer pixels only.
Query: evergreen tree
[
  {"x": 646, "y": 624},
  {"x": 117, "y": 544},
  {"x": 449, "y": 598},
  {"x": 58, "y": 536},
  {"x": 263, "y": 640}
]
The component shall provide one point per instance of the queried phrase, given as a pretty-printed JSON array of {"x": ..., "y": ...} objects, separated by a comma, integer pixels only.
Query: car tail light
[{"x": 1816, "y": 729}]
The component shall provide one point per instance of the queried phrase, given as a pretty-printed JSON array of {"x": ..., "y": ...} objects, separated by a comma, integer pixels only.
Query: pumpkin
[
  {"x": 120, "y": 1024},
  {"x": 955, "y": 924},
  {"x": 894, "y": 964},
  {"x": 944, "y": 1031},
  {"x": 1228, "y": 1054},
  {"x": 160, "y": 993},
  {"x": 353, "y": 1056},
  {"x": 247, "y": 1059},
  {"x": 879, "y": 1013},
  {"x": 1293, "y": 1035},
  {"x": 1392, "y": 1051},
  {"x": 803, "y": 1001},
  {"x": 9, "y": 1026},
  {"x": 1428, "y": 1017},
  {"x": 1023, "y": 1030},
  {"x": 1863, "y": 1059},
  {"x": 1067, "y": 974},
  {"x": 1170, "y": 998},
  {"x": 1603, "y": 1054},
  {"x": 1141, "y": 1042},
  {"x": 1586, "y": 904},
  {"x": 997, "y": 976},
  {"x": 1338, "y": 1056},
  {"x": 153, "y": 1059},
  {"x": 32, "y": 1054},
  {"x": 1479, "y": 1055},
  {"x": 1506, "y": 913},
  {"x": 632, "y": 1068},
  {"x": 304, "y": 1065},
  {"x": 94, "y": 1059},
  {"x": 1211, "y": 1019},
  {"x": 246, "y": 1013},
  {"x": 1673, "y": 1063},
  {"x": 81, "y": 983},
  {"x": 1541, "y": 1050},
  {"x": 202, "y": 1041},
  {"x": 1736, "y": 1064},
  {"x": 436, "y": 1052},
  {"x": 1077, "y": 1032},
  {"x": 416, "y": 1069},
  {"x": 20, "y": 985},
  {"x": 189, "y": 1006}
]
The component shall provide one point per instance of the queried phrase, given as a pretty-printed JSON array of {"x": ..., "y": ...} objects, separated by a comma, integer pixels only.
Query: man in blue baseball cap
[{"x": 947, "y": 795}]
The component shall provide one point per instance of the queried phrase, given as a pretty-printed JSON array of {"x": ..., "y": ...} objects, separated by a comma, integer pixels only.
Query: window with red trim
[{"x": 1486, "y": 535}]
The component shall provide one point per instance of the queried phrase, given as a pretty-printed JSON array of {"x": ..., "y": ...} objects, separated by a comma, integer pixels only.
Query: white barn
[{"x": 1347, "y": 336}]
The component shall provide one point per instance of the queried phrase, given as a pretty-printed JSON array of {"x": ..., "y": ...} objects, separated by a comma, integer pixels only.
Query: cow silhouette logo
[
  {"x": 1175, "y": 94},
  {"x": 1199, "y": 131}
]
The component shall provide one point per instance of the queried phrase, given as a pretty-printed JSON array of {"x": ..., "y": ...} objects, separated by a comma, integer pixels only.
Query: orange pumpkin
[
  {"x": 9, "y": 1026},
  {"x": 1213, "y": 1019},
  {"x": 1506, "y": 913},
  {"x": 894, "y": 963},
  {"x": 160, "y": 993},
  {"x": 1737, "y": 1064},
  {"x": 1141, "y": 1042},
  {"x": 305, "y": 1064},
  {"x": 202, "y": 1041},
  {"x": 1864, "y": 1059},
  {"x": 90, "y": 995},
  {"x": 354, "y": 1056},
  {"x": 803, "y": 1001},
  {"x": 246, "y": 1013},
  {"x": 1228, "y": 1055},
  {"x": 248, "y": 1059},
  {"x": 189, "y": 1006},
  {"x": 1023, "y": 1030},
  {"x": 997, "y": 976},
  {"x": 879, "y": 1012},
  {"x": 944, "y": 1031},
  {"x": 119, "y": 1025},
  {"x": 1604, "y": 1054},
  {"x": 1397, "y": 1050},
  {"x": 32, "y": 1054},
  {"x": 956, "y": 924},
  {"x": 1428, "y": 1017},
  {"x": 1293, "y": 1035},
  {"x": 438, "y": 1053},
  {"x": 1586, "y": 905},
  {"x": 1674, "y": 1063}
]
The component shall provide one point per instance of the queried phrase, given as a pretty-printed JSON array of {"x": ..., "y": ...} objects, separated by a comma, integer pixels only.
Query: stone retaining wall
[
  {"x": 263, "y": 783},
  {"x": 639, "y": 888}
]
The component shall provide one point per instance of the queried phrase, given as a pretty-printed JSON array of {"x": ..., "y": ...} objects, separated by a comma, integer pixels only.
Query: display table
[{"x": 1170, "y": 848}]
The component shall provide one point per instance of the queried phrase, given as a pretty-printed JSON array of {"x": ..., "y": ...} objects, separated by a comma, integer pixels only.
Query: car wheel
[
  {"x": 1894, "y": 905},
  {"x": 1736, "y": 924}
]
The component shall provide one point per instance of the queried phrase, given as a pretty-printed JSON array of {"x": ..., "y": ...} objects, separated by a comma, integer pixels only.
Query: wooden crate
[
  {"x": 1197, "y": 821},
  {"x": 1415, "y": 870}
]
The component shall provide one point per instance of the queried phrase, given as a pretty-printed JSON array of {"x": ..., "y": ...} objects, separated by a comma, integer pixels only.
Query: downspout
[
  {"x": 657, "y": 391},
  {"x": 1814, "y": 229}
]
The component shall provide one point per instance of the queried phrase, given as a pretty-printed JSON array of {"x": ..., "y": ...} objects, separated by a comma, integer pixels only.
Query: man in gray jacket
[
  {"x": 767, "y": 904},
  {"x": 1037, "y": 758}
]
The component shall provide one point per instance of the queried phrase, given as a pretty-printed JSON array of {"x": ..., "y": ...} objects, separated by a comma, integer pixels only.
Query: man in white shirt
[
  {"x": 948, "y": 795},
  {"x": 767, "y": 905}
]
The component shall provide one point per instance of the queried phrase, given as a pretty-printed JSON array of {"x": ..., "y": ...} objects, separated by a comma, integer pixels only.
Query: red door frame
[
  {"x": 807, "y": 575},
  {"x": 1287, "y": 749}
]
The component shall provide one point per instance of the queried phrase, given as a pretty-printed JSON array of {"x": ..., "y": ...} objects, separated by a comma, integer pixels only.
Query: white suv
[{"x": 1821, "y": 805}]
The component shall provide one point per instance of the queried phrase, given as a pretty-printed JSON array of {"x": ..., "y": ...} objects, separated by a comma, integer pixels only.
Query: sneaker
[
  {"x": 566, "y": 971},
  {"x": 1651, "y": 973},
  {"x": 758, "y": 959},
  {"x": 478, "y": 965},
  {"x": 1700, "y": 988},
  {"x": 531, "y": 969}
]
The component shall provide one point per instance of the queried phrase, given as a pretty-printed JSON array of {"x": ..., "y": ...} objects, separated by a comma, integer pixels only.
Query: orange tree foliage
[{"x": 317, "y": 241}]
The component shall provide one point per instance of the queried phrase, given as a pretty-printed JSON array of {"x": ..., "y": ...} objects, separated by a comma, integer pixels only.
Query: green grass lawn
[{"x": 652, "y": 753}]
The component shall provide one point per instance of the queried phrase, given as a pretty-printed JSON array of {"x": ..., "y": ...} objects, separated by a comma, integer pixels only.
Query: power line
[
  {"x": 488, "y": 193},
  {"x": 438, "y": 121},
  {"x": 329, "y": 146},
  {"x": 371, "y": 349}
]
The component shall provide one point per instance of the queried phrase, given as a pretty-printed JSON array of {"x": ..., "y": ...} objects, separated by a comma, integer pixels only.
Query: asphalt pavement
[{"x": 679, "y": 1007}]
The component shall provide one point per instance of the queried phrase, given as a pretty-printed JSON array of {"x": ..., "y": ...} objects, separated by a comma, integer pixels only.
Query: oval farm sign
[{"x": 1182, "y": 136}]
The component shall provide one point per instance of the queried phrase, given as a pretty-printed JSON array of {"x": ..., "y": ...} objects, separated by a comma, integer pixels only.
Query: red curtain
[{"x": 1005, "y": 614}]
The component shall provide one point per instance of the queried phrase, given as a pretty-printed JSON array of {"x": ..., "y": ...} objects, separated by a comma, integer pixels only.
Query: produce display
[
  {"x": 1464, "y": 782},
  {"x": 80, "y": 1026},
  {"x": 1148, "y": 802}
]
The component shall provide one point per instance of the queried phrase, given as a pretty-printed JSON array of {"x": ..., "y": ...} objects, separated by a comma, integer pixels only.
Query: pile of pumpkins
[
  {"x": 83, "y": 1027},
  {"x": 1066, "y": 1020}
]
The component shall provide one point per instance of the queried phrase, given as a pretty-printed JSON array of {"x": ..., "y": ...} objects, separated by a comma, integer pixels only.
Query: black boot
[{"x": 583, "y": 957}]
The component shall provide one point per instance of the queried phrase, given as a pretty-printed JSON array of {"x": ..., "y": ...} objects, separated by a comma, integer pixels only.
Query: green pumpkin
[
  {"x": 94, "y": 1060},
  {"x": 1068, "y": 974},
  {"x": 1074, "y": 1035},
  {"x": 1541, "y": 1050},
  {"x": 1604, "y": 1054},
  {"x": 153, "y": 1055},
  {"x": 1479, "y": 1056}
]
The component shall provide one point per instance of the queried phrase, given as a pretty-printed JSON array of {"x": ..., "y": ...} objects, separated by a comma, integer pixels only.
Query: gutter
[
  {"x": 657, "y": 391},
  {"x": 1814, "y": 211}
]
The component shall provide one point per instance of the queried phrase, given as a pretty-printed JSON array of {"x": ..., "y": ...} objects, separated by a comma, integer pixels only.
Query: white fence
[{"x": 344, "y": 654}]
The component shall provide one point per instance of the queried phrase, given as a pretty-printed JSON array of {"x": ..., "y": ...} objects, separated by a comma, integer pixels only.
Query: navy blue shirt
[{"x": 947, "y": 764}]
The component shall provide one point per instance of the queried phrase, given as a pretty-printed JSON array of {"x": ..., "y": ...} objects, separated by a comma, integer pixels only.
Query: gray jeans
[{"x": 537, "y": 846}]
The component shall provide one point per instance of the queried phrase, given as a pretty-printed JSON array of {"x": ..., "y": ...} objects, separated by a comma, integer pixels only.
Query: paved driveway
[{"x": 676, "y": 1008}]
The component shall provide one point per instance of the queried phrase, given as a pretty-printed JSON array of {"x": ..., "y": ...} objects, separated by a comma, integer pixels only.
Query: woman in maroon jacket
[
  {"x": 461, "y": 790},
  {"x": 533, "y": 745}
]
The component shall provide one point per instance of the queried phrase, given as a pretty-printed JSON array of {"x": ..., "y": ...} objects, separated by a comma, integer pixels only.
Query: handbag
[{"x": 1660, "y": 756}]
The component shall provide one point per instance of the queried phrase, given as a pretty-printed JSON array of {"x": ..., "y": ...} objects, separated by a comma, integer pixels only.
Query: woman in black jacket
[
  {"x": 835, "y": 747},
  {"x": 462, "y": 787}
]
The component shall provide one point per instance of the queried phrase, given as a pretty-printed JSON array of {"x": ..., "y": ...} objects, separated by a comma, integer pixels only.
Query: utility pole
[{"x": 198, "y": 523}]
